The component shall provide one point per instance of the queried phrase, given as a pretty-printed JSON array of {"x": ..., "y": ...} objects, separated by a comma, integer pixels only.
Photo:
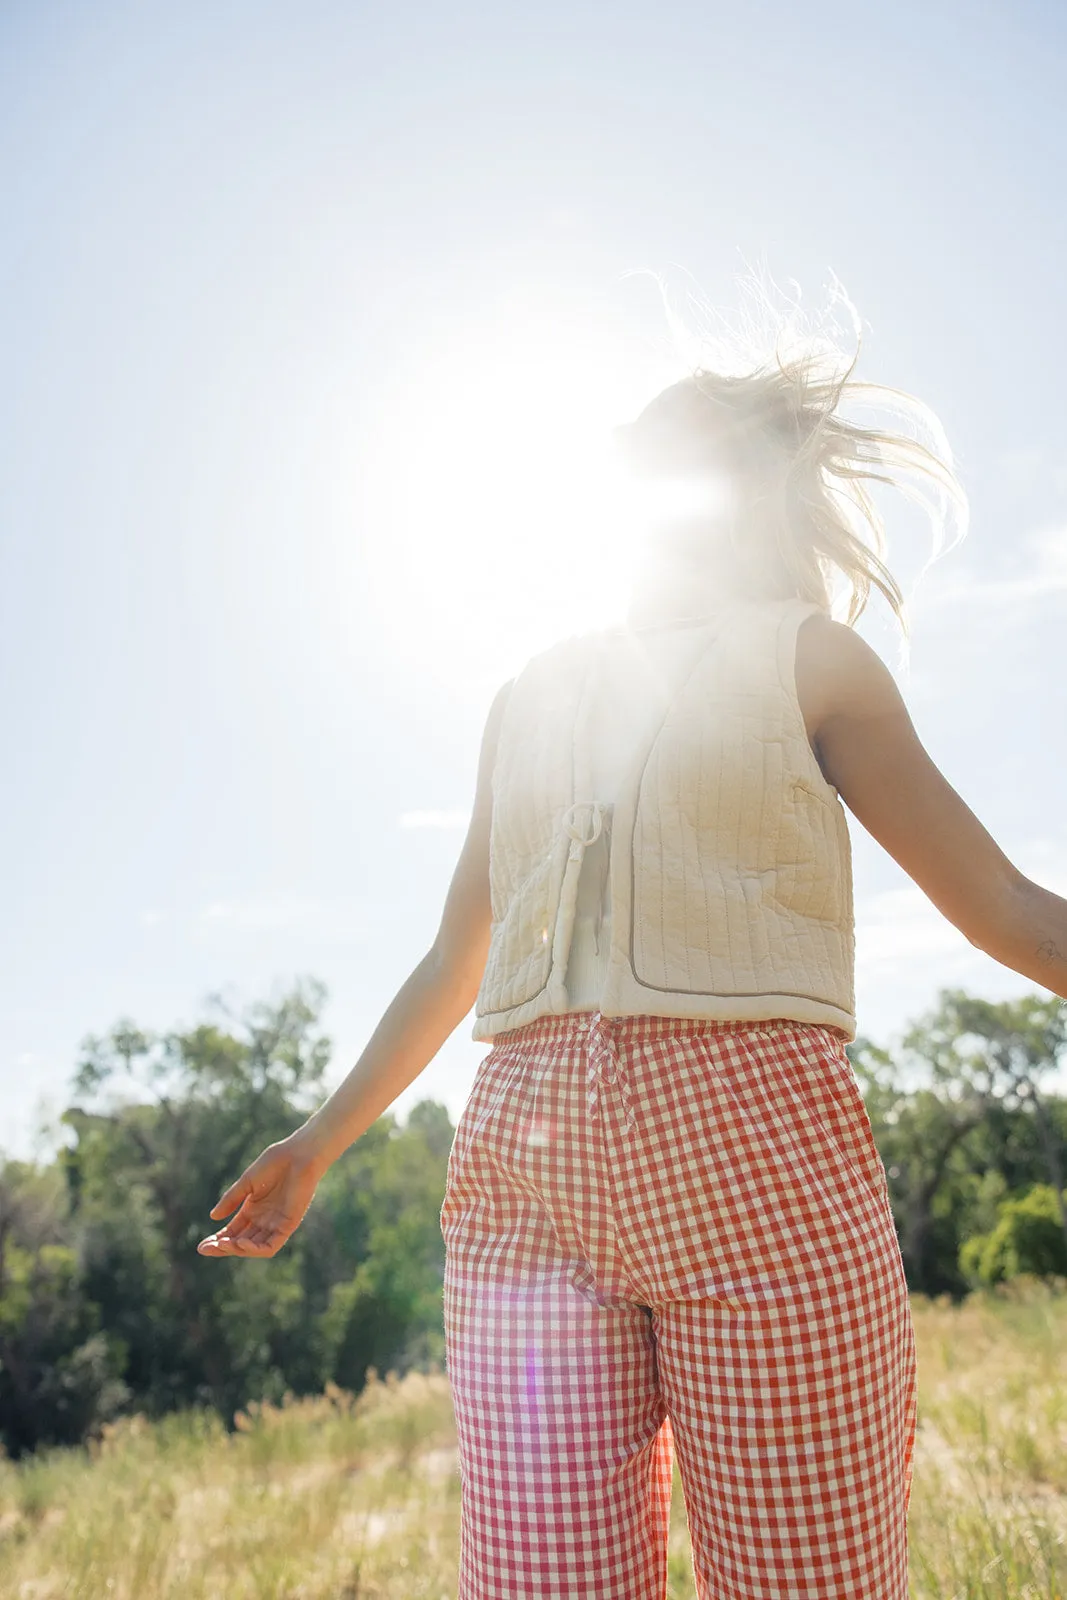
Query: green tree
[
  {"x": 59, "y": 1372},
  {"x": 1027, "y": 1238},
  {"x": 373, "y": 1247},
  {"x": 921, "y": 1133},
  {"x": 103, "y": 1297},
  {"x": 961, "y": 1119},
  {"x": 1002, "y": 1052},
  {"x": 165, "y": 1122}
]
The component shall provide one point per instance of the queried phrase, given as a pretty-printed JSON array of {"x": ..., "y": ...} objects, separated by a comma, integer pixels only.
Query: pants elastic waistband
[{"x": 632, "y": 1030}]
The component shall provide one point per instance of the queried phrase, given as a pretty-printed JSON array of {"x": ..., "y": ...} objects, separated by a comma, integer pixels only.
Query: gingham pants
[{"x": 673, "y": 1235}]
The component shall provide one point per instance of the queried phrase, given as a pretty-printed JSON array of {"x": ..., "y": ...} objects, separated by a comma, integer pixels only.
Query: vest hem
[{"x": 752, "y": 1009}]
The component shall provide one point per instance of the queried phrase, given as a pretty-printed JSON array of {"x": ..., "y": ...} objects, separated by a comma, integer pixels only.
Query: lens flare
[{"x": 497, "y": 510}]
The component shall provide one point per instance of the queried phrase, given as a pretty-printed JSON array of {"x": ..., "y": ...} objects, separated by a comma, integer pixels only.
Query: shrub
[{"x": 1028, "y": 1238}]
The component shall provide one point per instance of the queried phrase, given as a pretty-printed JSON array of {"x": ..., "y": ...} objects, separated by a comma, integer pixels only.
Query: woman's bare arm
[
  {"x": 437, "y": 995},
  {"x": 868, "y": 749},
  {"x": 274, "y": 1193}
]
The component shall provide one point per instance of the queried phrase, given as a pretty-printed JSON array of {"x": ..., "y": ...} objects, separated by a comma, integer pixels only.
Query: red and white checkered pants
[{"x": 675, "y": 1235}]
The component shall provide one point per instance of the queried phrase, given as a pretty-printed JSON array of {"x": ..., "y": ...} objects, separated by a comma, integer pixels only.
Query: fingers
[
  {"x": 232, "y": 1198},
  {"x": 247, "y": 1235},
  {"x": 224, "y": 1244},
  {"x": 259, "y": 1227},
  {"x": 241, "y": 1223},
  {"x": 233, "y": 1238}
]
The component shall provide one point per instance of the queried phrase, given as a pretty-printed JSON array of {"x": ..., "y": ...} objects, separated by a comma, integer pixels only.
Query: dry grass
[
  {"x": 358, "y": 1499},
  {"x": 989, "y": 1502},
  {"x": 350, "y": 1499}
]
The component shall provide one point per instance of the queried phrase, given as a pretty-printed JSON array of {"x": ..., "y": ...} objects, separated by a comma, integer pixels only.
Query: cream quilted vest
[{"x": 730, "y": 867}]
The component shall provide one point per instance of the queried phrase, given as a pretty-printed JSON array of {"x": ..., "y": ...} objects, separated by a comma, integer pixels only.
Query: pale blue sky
[{"x": 268, "y": 272}]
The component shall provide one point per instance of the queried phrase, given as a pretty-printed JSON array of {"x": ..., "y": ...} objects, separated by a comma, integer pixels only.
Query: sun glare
[{"x": 498, "y": 515}]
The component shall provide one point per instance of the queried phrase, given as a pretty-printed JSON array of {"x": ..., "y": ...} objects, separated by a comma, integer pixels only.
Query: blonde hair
[{"x": 804, "y": 469}]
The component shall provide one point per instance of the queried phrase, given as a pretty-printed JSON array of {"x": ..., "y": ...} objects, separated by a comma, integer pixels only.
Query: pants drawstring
[{"x": 606, "y": 1068}]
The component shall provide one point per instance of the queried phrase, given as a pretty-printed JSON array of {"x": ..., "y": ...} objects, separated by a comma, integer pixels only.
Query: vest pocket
[{"x": 813, "y": 853}]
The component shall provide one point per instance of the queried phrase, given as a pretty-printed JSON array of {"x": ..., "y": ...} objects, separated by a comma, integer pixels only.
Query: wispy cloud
[
  {"x": 434, "y": 819},
  {"x": 289, "y": 914},
  {"x": 900, "y": 927},
  {"x": 901, "y": 934},
  {"x": 1045, "y": 573}
]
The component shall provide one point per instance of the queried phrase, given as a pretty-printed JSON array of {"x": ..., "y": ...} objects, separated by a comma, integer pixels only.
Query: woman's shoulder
[
  {"x": 838, "y": 673},
  {"x": 564, "y": 655}
]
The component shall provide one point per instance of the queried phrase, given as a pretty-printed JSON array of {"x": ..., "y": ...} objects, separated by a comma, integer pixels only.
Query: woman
[{"x": 667, "y": 1225}]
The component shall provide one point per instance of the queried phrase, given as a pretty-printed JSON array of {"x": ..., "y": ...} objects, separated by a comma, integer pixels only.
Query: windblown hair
[{"x": 805, "y": 472}]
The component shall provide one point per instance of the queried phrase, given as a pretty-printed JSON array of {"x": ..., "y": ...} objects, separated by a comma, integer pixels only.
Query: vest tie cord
[
  {"x": 583, "y": 829},
  {"x": 582, "y": 823}
]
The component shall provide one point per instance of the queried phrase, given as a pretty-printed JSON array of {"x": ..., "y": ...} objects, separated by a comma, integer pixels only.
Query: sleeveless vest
[{"x": 730, "y": 865}]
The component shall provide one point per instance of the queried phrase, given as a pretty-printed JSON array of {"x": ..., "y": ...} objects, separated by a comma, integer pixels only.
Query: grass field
[{"x": 342, "y": 1499}]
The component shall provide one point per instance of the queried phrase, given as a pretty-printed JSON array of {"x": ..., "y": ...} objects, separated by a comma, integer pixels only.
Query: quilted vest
[{"x": 730, "y": 865}]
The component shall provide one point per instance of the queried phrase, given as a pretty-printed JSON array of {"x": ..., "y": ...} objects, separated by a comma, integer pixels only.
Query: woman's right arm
[
  {"x": 275, "y": 1191},
  {"x": 868, "y": 749}
]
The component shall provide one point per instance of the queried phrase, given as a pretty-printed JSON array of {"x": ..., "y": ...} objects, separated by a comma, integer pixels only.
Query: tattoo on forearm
[{"x": 1049, "y": 952}]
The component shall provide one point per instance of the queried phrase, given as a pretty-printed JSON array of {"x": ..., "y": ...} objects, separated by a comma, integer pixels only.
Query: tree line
[{"x": 105, "y": 1306}]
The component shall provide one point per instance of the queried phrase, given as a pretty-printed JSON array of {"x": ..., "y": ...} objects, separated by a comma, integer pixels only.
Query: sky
[{"x": 310, "y": 316}]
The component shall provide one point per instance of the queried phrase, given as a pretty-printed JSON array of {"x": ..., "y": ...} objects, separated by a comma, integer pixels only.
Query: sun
[{"x": 498, "y": 517}]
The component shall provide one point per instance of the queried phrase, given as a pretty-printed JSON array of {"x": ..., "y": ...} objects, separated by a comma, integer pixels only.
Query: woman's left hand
[{"x": 273, "y": 1195}]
